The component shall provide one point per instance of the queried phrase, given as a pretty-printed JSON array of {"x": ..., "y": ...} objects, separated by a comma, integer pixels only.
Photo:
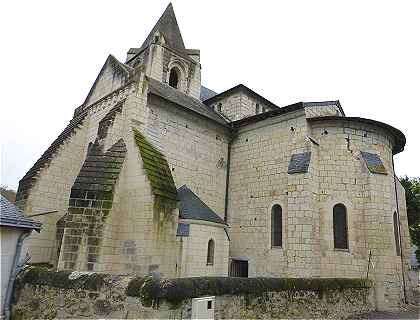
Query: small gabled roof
[
  {"x": 192, "y": 207},
  {"x": 239, "y": 88},
  {"x": 206, "y": 93},
  {"x": 12, "y": 216},
  {"x": 168, "y": 26}
]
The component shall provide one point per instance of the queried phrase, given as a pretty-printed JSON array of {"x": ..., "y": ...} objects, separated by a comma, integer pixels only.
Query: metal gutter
[{"x": 227, "y": 178}]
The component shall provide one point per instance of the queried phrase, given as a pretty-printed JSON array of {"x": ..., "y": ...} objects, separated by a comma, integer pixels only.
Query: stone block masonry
[{"x": 44, "y": 294}]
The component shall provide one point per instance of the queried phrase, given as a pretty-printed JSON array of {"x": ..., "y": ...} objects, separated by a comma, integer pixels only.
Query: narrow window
[
  {"x": 219, "y": 107},
  {"x": 210, "y": 252},
  {"x": 340, "y": 227},
  {"x": 397, "y": 234},
  {"x": 173, "y": 78},
  {"x": 257, "y": 108},
  {"x": 276, "y": 226}
]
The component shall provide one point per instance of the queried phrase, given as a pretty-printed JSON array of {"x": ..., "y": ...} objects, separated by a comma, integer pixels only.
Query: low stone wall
[{"x": 43, "y": 294}]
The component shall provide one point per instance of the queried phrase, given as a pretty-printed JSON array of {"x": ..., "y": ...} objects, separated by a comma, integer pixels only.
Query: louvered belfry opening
[
  {"x": 173, "y": 78},
  {"x": 276, "y": 226},
  {"x": 340, "y": 227}
]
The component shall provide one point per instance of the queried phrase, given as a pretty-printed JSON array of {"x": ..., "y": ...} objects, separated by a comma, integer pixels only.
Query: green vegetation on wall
[
  {"x": 151, "y": 290},
  {"x": 412, "y": 197},
  {"x": 158, "y": 173}
]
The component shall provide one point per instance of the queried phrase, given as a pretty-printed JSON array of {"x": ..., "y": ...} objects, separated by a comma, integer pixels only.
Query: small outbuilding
[
  {"x": 14, "y": 228},
  {"x": 203, "y": 243}
]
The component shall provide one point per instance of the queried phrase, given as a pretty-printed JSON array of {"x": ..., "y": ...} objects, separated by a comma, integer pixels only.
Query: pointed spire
[{"x": 168, "y": 26}]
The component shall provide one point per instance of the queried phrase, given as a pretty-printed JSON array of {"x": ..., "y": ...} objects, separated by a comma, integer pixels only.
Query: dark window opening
[
  {"x": 210, "y": 252},
  {"x": 173, "y": 78},
  {"x": 209, "y": 303},
  {"x": 219, "y": 107},
  {"x": 397, "y": 235},
  {"x": 276, "y": 226},
  {"x": 257, "y": 108},
  {"x": 340, "y": 227},
  {"x": 239, "y": 268}
]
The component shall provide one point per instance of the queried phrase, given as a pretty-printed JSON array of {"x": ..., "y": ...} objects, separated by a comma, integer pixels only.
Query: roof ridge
[{"x": 168, "y": 26}]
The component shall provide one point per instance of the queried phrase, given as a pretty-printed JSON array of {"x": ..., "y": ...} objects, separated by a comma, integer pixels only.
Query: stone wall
[
  {"x": 337, "y": 174},
  {"x": 196, "y": 149},
  {"x": 239, "y": 105},
  {"x": 192, "y": 257},
  {"x": 259, "y": 179},
  {"x": 111, "y": 77},
  {"x": 162, "y": 58},
  {"x": 49, "y": 295}
]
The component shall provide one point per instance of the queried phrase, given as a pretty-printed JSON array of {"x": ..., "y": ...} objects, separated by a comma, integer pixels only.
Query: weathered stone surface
[
  {"x": 294, "y": 299},
  {"x": 136, "y": 233}
]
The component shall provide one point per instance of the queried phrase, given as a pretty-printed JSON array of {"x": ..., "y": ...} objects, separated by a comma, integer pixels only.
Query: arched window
[
  {"x": 210, "y": 252},
  {"x": 276, "y": 226},
  {"x": 397, "y": 234},
  {"x": 340, "y": 227},
  {"x": 173, "y": 78}
]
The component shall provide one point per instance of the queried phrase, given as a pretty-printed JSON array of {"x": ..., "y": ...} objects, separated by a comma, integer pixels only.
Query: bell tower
[{"x": 165, "y": 57}]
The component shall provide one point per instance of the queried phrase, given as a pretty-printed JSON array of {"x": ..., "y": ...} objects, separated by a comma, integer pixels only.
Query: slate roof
[
  {"x": 239, "y": 88},
  {"x": 156, "y": 167},
  {"x": 100, "y": 170},
  {"x": 183, "y": 230},
  {"x": 12, "y": 216},
  {"x": 192, "y": 207},
  {"x": 326, "y": 103},
  {"x": 206, "y": 93},
  {"x": 299, "y": 163},
  {"x": 168, "y": 26},
  {"x": 167, "y": 92},
  {"x": 373, "y": 162}
]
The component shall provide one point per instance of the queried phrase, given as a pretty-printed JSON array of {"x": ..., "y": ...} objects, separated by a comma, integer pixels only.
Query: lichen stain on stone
[{"x": 45, "y": 296}]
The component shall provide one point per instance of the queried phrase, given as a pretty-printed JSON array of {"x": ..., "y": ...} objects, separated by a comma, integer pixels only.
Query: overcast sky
[{"x": 364, "y": 53}]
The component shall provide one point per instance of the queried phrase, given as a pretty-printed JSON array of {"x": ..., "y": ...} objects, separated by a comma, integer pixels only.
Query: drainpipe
[
  {"x": 399, "y": 231},
  {"x": 227, "y": 177},
  {"x": 13, "y": 273}
]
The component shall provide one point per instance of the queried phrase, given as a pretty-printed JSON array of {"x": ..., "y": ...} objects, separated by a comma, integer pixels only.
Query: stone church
[{"x": 157, "y": 174}]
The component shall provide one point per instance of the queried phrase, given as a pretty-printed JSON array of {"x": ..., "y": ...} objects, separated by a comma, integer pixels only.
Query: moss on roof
[{"x": 157, "y": 168}]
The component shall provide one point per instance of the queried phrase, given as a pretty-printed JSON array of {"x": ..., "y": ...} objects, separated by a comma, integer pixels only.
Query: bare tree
[{"x": 8, "y": 193}]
